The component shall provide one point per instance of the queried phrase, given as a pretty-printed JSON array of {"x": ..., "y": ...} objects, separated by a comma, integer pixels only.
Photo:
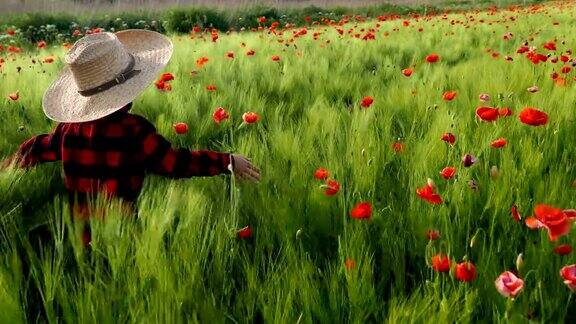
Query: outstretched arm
[
  {"x": 162, "y": 158},
  {"x": 38, "y": 149}
]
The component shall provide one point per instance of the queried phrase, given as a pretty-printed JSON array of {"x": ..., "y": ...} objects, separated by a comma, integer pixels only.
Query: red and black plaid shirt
[{"x": 112, "y": 155}]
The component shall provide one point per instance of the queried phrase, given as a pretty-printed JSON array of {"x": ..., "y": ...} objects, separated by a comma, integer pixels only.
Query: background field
[
  {"x": 121, "y": 5},
  {"x": 181, "y": 260}
]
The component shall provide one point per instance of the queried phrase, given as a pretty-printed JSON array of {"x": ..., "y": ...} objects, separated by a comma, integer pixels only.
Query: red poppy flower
[
  {"x": 10, "y": 32},
  {"x": 448, "y": 172},
  {"x": 398, "y": 147},
  {"x": 181, "y": 128},
  {"x": 197, "y": 29},
  {"x": 250, "y": 52},
  {"x": 505, "y": 112},
  {"x": 488, "y": 114},
  {"x": 41, "y": 44},
  {"x": 427, "y": 193},
  {"x": 214, "y": 36},
  {"x": 563, "y": 249},
  {"x": 250, "y": 117},
  {"x": 76, "y": 33},
  {"x": 465, "y": 271},
  {"x": 551, "y": 46},
  {"x": 262, "y": 20},
  {"x": 449, "y": 138},
  {"x": 219, "y": 115},
  {"x": 566, "y": 69},
  {"x": 432, "y": 235},
  {"x": 201, "y": 61},
  {"x": 564, "y": 58},
  {"x": 332, "y": 188},
  {"x": 499, "y": 143},
  {"x": 165, "y": 77},
  {"x": 350, "y": 264},
  {"x": 556, "y": 221},
  {"x": 230, "y": 54},
  {"x": 367, "y": 101},
  {"x": 244, "y": 233},
  {"x": 160, "y": 85},
  {"x": 440, "y": 263},
  {"x": 211, "y": 87},
  {"x": 275, "y": 58},
  {"x": 407, "y": 72},
  {"x": 533, "y": 117},
  {"x": 432, "y": 58},
  {"x": 449, "y": 95},
  {"x": 515, "y": 214},
  {"x": 14, "y": 49},
  {"x": 362, "y": 210},
  {"x": 14, "y": 96},
  {"x": 48, "y": 59},
  {"x": 321, "y": 174},
  {"x": 568, "y": 273}
]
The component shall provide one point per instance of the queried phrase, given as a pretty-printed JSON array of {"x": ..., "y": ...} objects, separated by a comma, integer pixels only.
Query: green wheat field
[{"x": 309, "y": 259}]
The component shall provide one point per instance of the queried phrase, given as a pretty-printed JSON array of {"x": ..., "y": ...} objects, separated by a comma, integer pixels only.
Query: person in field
[{"x": 105, "y": 150}]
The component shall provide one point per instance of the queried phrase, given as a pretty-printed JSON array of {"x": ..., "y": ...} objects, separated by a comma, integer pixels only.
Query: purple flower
[
  {"x": 484, "y": 97},
  {"x": 468, "y": 160}
]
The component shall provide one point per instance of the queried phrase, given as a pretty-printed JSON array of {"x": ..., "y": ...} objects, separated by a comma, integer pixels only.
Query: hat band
[{"x": 126, "y": 75}]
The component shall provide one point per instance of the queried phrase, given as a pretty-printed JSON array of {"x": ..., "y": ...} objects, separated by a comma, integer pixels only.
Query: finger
[
  {"x": 254, "y": 168},
  {"x": 254, "y": 175},
  {"x": 250, "y": 176},
  {"x": 238, "y": 175}
]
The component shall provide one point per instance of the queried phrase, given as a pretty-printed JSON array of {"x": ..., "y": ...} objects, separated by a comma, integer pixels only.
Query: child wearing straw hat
[{"x": 104, "y": 149}]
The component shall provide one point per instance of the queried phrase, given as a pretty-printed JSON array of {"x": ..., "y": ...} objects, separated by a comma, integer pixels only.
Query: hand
[{"x": 244, "y": 169}]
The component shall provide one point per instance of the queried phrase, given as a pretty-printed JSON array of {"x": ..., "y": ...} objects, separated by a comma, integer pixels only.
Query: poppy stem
[{"x": 568, "y": 303}]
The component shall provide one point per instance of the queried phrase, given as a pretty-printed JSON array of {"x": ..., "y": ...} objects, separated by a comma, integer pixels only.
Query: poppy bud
[
  {"x": 519, "y": 261},
  {"x": 298, "y": 233},
  {"x": 473, "y": 239},
  {"x": 473, "y": 185},
  {"x": 494, "y": 172}
]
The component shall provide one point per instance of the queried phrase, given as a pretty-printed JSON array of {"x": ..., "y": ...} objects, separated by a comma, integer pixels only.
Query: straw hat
[{"x": 104, "y": 72}]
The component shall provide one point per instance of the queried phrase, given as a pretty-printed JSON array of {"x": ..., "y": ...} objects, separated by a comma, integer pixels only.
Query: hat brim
[{"x": 63, "y": 103}]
